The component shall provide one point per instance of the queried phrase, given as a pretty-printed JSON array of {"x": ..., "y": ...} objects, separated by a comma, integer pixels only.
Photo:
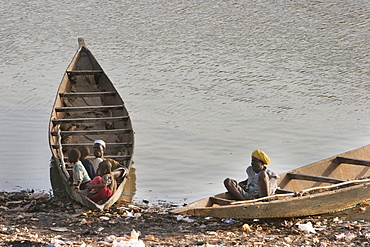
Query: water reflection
[{"x": 129, "y": 190}]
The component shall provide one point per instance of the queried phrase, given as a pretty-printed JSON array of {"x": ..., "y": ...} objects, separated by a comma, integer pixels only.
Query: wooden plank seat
[
  {"x": 114, "y": 157},
  {"x": 87, "y": 94},
  {"x": 314, "y": 178},
  {"x": 352, "y": 161},
  {"x": 118, "y": 158},
  {"x": 92, "y": 132},
  {"x": 84, "y": 72},
  {"x": 89, "y": 108},
  {"x": 76, "y": 145},
  {"x": 88, "y": 120},
  {"x": 283, "y": 191}
]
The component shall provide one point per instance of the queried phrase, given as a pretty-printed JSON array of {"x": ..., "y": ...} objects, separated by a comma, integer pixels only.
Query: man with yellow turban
[{"x": 260, "y": 182}]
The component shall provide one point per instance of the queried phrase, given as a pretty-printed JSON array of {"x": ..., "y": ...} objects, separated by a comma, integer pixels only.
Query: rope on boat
[
  {"x": 300, "y": 193},
  {"x": 61, "y": 156}
]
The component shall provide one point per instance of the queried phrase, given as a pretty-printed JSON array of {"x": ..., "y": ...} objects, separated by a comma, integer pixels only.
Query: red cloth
[{"x": 103, "y": 193}]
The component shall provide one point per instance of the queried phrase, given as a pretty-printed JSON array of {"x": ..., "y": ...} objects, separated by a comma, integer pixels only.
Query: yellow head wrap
[{"x": 258, "y": 154}]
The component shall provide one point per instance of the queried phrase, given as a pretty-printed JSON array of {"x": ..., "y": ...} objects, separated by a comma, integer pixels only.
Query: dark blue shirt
[{"x": 89, "y": 168}]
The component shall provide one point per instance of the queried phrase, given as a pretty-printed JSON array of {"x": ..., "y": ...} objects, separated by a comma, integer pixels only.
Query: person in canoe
[
  {"x": 80, "y": 175},
  {"x": 260, "y": 182},
  {"x": 99, "y": 149},
  {"x": 89, "y": 166},
  {"x": 103, "y": 185}
]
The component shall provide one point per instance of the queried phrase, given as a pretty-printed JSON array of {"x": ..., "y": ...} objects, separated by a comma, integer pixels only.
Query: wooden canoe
[
  {"x": 88, "y": 107},
  {"x": 325, "y": 186}
]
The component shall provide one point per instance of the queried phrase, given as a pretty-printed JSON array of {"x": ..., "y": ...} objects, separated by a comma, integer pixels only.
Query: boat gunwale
[
  {"x": 221, "y": 211},
  {"x": 290, "y": 197}
]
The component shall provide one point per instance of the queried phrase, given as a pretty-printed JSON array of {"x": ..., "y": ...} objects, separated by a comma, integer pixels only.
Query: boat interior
[{"x": 329, "y": 174}]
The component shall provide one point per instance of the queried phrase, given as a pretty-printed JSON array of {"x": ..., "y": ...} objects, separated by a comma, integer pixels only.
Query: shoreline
[{"x": 58, "y": 221}]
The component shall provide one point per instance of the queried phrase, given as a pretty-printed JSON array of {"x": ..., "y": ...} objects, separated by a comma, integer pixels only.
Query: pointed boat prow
[
  {"x": 88, "y": 107},
  {"x": 81, "y": 42}
]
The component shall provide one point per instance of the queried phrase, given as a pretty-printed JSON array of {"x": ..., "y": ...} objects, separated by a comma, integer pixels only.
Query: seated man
[
  {"x": 99, "y": 149},
  {"x": 260, "y": 182}
]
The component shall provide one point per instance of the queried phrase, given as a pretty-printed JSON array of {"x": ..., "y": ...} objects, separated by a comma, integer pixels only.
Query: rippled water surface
[{"x": 206, "y": 83}]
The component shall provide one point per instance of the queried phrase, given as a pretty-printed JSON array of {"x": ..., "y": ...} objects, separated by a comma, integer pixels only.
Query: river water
[{"x": 206, "y": 83}]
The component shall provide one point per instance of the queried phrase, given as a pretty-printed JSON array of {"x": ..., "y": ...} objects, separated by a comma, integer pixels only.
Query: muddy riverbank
[{"x": 58, "y": 221}]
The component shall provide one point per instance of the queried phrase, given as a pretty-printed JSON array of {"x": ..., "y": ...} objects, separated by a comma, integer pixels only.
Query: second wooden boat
[
  {"x": 88, "y": 107},
  {"x": 325, "y": 186}
]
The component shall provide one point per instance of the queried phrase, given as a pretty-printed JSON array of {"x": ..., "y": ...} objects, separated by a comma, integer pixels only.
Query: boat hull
[
  {"x": 88, "y": 107},
  {"x": 284, "y": 208},
  {"x": 311, "y": 194}
]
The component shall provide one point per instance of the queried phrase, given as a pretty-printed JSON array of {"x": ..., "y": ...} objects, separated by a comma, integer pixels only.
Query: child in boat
[
  {"x": 85, "y": 151},
  {"x": 260, "y": 182},
  {"x": 80, "y": 175},
  {"x": 104, "y": 183}
]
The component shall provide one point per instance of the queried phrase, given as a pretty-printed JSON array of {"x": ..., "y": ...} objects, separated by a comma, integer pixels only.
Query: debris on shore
[{"x": 35, "y": 219}]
